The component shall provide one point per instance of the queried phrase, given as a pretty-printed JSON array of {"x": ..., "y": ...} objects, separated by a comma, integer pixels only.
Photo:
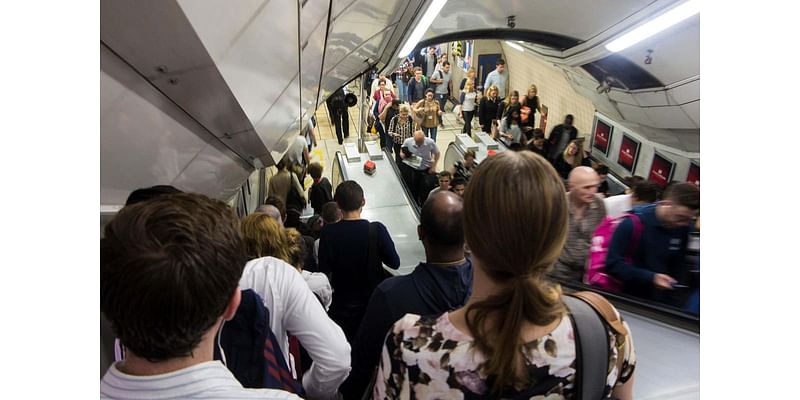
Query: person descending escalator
[
  {"x": 352, "y": 252},
  {"x": 421, "y": 154},
  {"x": 441, "y": 283},
  {"x": 337, "y": 110}
]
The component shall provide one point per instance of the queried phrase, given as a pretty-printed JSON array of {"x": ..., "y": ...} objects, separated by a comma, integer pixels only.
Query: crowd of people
[
  {"x": 209, "y": 305},
  {"x": 413, "y": 99}
]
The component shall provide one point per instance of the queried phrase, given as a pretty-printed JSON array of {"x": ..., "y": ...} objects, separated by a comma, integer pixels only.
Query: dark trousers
[
  {"x": 341, "y": 120},
  {"x": 442, "y": 99},
  {"x": 468, "y": 122},
  {"x": 348, "y": 316},
  {"x": 386, "y": 141},
  {"x": 423, "y": 182}
]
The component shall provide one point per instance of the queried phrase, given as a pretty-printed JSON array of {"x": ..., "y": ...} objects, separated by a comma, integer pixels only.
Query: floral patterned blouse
[{"x": 429, "y": 358}]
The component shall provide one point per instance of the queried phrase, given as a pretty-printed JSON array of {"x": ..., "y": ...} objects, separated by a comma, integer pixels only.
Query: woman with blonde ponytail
[{"x": 513, "y": 338}]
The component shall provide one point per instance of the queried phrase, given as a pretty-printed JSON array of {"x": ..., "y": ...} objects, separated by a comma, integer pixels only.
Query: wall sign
[
  {"x": 602, "y": 136},
  {"x": 628, "y": 153},
  {"x": 694, "y": 174},
  {"x": 661, "y": 170}
]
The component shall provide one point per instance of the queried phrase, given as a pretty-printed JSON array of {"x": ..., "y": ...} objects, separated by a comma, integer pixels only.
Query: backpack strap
[
  {"x": 373, "y": 264},
  {"x": 638, "y": 227},
  {"x": 591, "y": 349},
  {"x": 591, "y": 342}
]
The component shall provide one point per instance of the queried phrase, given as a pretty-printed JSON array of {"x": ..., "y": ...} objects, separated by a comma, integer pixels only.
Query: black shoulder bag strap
[
  {"x": 373, "y": 261},
  {"x": 591, "y": 349}
]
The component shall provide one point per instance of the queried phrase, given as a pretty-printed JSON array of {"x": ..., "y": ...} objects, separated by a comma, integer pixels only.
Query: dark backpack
[{"x": 251, "y": 350}]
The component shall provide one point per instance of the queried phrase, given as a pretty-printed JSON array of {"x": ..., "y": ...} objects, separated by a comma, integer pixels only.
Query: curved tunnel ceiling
[
  {"x": 654, "y": 86},
  {"x": 246, "y": 76}
]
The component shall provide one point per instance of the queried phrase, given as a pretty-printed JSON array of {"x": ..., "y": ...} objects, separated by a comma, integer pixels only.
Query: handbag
[{"x": 294, "y": 199}]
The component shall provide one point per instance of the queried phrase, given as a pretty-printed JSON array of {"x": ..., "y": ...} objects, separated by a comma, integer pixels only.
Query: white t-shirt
[
  {"x": 207, "y": 380},
  {"x": 294, "y": 308},
  {"x": 617, "y": 205},
  {"x": 441, "y": 88},
  {"x": 296, "y": 149}
]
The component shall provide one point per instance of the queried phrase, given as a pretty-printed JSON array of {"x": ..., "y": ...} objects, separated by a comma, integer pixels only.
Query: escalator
[{"x": 387, "y": 201}]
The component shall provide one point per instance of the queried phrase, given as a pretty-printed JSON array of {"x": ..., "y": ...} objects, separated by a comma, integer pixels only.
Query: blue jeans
[
  {"x": 401, "y": 90},
  {"x": 430, "y": 132}
]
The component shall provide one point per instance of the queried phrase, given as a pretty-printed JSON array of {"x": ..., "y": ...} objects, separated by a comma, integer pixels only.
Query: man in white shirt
[
  {"x": 499, "y": 78},
  {"x": 422, "y": 155},
  {"x": 295, "y": 309},
  {"x": 297, "y": 153},
  {"x": 154, "y": 256}
]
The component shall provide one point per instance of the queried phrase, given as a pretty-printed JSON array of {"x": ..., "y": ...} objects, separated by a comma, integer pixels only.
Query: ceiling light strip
[
  {"x": 422, "y": 27},
  {"x": 515, "y": 46},
  {"x": 655, "y": 25}
]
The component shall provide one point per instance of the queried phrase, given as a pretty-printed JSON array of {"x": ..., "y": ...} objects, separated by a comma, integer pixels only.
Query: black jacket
[
  {"x": 487, "y": 111},
  {"x": 555, "y": 137},
  {"x": 319, "y": 194},
  {"x": 563, "y": 168}
]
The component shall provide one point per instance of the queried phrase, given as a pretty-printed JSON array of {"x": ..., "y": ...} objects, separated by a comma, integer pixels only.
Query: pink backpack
[{"x": 601, "y": 238}]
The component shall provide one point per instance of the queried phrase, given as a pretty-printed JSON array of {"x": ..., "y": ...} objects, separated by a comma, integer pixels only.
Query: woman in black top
[
  {"x": 531, "y": 101},
  {"x": 511, "y": 101},
  {"x": 487, "y": 110},
  {"x": 536, "y": 144},
  {"x": 572, "y": 157}
]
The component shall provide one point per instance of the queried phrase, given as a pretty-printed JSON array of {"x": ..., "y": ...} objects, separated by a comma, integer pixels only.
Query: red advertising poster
[
  {"x": 602, "y": 136},
  {"x": 661, "y": 170},
  {"x": 628, "y": 153},
  {"x": 694, "y": 174}
]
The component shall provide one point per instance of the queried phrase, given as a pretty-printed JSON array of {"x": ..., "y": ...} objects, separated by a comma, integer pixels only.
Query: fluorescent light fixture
[
  {"x": 654, "y": 26},
  {"x": 422, "y": 26},
  {"x": 515, "y": 46}
]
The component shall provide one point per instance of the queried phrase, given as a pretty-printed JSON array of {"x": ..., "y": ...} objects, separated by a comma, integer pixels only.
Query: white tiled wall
[{"x": 554, "y": 90}]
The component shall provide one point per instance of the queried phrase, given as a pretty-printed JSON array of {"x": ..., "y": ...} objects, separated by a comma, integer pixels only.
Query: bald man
[
  {"x": 270, "y": 210},
  {"x": 440, "y": 284},
  {"x": 586, "y": 211},
  {"x": 423, "y": 150}
]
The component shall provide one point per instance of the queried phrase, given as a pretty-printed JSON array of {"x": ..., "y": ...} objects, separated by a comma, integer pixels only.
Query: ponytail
[{"x": 496, "y": 324}]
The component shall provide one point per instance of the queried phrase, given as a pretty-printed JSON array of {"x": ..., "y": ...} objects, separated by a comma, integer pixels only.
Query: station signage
[
  {"x": 694, "y": 174},
  {"x": 601, "y": 139},
  {"x": 661, "y": 170},
  {"x": 628, "y": 153}
]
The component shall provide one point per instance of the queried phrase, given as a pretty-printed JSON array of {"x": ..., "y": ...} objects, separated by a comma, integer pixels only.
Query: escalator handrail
[
  {"x": 414, "y": 207},
  {"x": 340, "y": 160},
  {"x": 655, "y": 311}
]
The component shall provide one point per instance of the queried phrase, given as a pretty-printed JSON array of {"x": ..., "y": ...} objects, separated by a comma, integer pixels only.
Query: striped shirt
[
  {"x": 207, "y": 380},
  {"x": 571, "y": 264},
  {"x": 400, "y": 131}
]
